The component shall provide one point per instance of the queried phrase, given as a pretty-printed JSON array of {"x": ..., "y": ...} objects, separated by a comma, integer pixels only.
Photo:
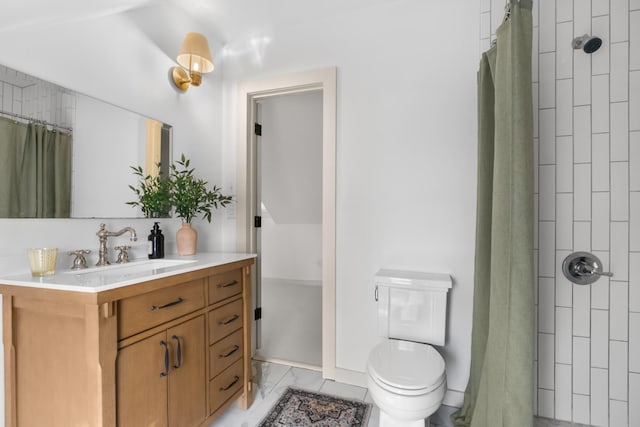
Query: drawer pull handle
[
  {"x": 166, "y": 359},
  {"x": 233, "y": 350},
  {"x": 179, "y": 352},
  {"x": 169, "y": 304},
  {"x": 228, "y": 320},
  {"x": 227, "y": 285},
  {"x": 235, "y": 380}
]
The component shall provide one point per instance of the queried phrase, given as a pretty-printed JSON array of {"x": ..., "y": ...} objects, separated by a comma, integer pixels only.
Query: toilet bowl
[{"x": 407, "y": 381}]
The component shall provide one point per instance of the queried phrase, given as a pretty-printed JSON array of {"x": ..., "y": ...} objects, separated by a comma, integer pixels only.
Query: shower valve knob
[{"x": 583, "y": 268}]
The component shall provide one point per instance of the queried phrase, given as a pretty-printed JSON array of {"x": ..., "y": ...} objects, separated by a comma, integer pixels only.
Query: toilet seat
[{"x": 406, "y": 368}]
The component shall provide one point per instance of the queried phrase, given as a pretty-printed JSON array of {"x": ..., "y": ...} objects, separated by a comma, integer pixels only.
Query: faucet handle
[
  {"x": 123, "y": 255},
  {"x": 79, "y": 261}
]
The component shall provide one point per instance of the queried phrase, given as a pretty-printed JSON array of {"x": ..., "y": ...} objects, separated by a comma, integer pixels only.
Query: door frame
[{"x": 247, "y": 94}]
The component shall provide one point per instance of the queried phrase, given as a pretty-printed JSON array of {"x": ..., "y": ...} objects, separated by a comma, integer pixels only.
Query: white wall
[
  {"x": 406, "y": 152},
  {"x": 587, "y": 135},
  {"x": 291, "y": 174}
]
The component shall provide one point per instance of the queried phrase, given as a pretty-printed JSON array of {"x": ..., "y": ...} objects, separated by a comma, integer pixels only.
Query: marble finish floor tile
[
  {"x": 547, "y": 422},
  {"x": 346, "y": 391},
  {"x": 271, "y": 380}
]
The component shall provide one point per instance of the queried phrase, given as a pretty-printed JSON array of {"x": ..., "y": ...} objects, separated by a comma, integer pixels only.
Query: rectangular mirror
[{"x": 104, "y": 140}]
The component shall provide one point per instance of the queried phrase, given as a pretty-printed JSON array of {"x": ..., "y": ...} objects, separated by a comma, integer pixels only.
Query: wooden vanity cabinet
[{"x": 163, "y": 353}]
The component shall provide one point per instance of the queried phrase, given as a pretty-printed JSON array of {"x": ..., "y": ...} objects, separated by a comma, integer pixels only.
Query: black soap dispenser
[{"x": 156, "y": 243}]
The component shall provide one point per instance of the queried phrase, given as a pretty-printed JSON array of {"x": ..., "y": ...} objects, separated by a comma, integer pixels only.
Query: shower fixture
[
  {"x": 583, "y": 268},
  {"x": 587, "y": 43}
]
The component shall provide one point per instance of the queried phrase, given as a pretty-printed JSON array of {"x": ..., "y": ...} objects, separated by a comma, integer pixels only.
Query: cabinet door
[
  {"x": 187, "y": 377},
  {"x": 142, "y": 383}
]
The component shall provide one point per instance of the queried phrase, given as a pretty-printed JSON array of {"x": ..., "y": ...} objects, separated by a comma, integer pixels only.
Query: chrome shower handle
[{"x": 583, "y": 268}]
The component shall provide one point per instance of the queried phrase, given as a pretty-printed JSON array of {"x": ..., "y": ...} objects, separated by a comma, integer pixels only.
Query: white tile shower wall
[
  {"x": 587, "y": 192},
  {"x": 634, "y": 399},
  {"x": 34, "y": 98}
]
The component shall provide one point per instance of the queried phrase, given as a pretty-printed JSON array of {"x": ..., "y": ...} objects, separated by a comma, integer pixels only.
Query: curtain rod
[{"x": 42, "y": 122}]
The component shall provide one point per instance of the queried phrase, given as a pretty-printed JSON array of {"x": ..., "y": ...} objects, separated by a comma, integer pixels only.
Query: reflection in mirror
[
  {"x": 35, "y": 148},
  {"x": 106, "y": 141}
]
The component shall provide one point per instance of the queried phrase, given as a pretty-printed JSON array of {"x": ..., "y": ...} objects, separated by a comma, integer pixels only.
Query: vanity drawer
[
  {"x": 225, "y": 285},
  {"x": 145, "y": 311},
  {"x": 225, "y": 385},
  {"x": 225, "y": 352},
  {"x": 224, "y": 320}
]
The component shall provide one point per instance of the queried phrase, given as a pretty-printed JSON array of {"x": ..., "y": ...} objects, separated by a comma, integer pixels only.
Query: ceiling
[
  {"x": 26, "y": 13},
  {"x": 239, "y": 19},
  {"x": 225, "y": 20}
]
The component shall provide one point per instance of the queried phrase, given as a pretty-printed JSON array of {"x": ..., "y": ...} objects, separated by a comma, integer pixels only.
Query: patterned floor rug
[{"x": 309, "y": 409}]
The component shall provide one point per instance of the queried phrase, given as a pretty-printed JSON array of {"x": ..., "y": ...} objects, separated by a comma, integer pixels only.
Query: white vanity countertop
[{"x": 98, "y": 279}]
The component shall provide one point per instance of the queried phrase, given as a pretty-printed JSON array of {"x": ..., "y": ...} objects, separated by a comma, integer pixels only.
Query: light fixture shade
[{"x": 194, "y": 55}]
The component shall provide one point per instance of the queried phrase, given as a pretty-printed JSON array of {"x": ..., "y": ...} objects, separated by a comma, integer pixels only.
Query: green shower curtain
[
  {"x": 12, "y": 138},
  {"x": 35, "y": 171},
  {"x": 500, "y": 388}
]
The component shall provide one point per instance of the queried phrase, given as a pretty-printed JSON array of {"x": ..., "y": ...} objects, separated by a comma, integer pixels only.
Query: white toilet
[{"x": 405, "y": 375}]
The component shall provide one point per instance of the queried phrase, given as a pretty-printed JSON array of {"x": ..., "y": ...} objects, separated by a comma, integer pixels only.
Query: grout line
[
  {"x": 614, "y": 340},
  {"x": 590, "y": 104},
  {"x": 628, "y": 206},
  {"x": 573, "y": 212}
]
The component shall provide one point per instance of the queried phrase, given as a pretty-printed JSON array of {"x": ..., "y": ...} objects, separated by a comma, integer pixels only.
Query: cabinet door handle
[
  {"x": 235, "y": 380},
  {"x": 233, "y": 350},
  {"x": 179, "y": 352},
  {"x": 169, "y": 304},
  {"x": 228, "y": 320},
  {"x": 166, "y": 359},
  {"x": 227, "y": 285}
]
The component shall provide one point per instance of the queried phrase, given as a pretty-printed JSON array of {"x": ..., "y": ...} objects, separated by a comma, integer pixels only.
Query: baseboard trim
[
  {"x": 259, "y": 358},
  {"x": 348, "y": 376}
]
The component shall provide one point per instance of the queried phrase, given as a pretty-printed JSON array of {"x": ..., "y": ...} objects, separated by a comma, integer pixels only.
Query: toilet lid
[{"x": 407, "y": 365}]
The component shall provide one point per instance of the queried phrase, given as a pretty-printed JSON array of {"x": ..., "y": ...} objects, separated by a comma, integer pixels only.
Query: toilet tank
[{"x": 412, "y": 306}]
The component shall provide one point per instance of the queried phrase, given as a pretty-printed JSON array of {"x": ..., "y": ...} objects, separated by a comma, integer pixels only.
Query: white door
[
  {"x": 249, "y": 92},
  {"x": 289, "y": 239}
]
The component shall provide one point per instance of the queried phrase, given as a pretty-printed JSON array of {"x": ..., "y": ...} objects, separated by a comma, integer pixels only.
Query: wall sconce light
[{"x": 195, "y": 59}]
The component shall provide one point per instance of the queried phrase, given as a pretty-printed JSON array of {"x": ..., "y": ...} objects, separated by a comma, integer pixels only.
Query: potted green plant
[
  {"x": 154, "y": 193},
  {"x": 191, "y": 196}
]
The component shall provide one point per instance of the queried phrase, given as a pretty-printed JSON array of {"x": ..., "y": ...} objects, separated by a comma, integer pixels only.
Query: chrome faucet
[{"x": 103, "y": 255}]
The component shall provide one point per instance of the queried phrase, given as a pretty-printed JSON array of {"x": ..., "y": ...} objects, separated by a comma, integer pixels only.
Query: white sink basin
[{"x": 152, "y": 266}]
